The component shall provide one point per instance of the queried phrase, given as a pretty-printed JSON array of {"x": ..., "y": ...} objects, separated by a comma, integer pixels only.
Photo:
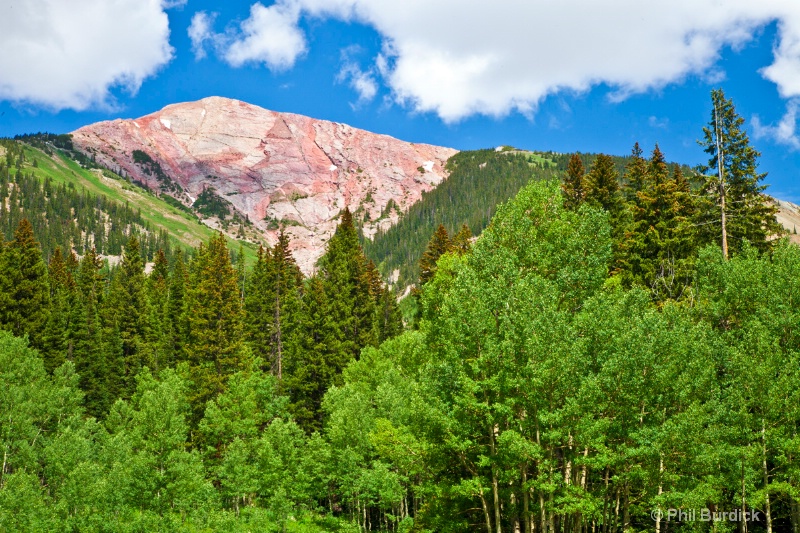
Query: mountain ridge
[{"x": 274, "y": 169}]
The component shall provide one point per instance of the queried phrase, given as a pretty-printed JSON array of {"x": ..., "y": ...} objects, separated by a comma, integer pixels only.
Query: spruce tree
[
  {"x": 573, "y": 185},
  {"x": 62, "y": 295},
  {"x": 736, "y": 207},
  {"x": 286, "y": 279},
  {"x": 258, "y": 302},
  {"x": 159, "y": 352},
  {"x": 316, "y": 359},
  {"x": 175, "y": 316},
  {"x": 438, "y": 245},
  {"x": 658, "y": 249},
  {"x": 635, "y": 173},
  {"x": 214, "y": 346},
  {"x": 462, "y": 240},
  {"x": 125, "y": 316},
  {"x": 24, "y": 293},
  {"x": 350, "y": 304},
  {"x": 602, "y": 186},
  {"x": 85, "y": 339}
]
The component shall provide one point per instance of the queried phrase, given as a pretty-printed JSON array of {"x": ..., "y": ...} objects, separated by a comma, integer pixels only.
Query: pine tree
[
  {"x": 658, "y": 249},
  {"x": 24, "y": 293},
  {"x": 124, "y": 313},
  {"x": 62, "y": 295},
  {"x": 438, "y": 245},
  {"x": 462, "y": 240},
  {"x": 316, "y": 359},
  {"x": 635, "y": 174},
  {"x": 351, "y": 306},
  {"x": 736, "y": 201},
  {"x": 214, "y": 346},
  {"x": 573, "y": 185}
]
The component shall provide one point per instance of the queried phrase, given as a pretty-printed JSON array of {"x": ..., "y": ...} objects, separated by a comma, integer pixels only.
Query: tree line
[
  {"x": 63, "y": 216},
  {"x": 544, "y": 388}
]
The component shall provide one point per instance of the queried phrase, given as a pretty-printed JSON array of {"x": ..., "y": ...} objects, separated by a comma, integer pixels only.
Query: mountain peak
[{"x": 271, "y": 168}]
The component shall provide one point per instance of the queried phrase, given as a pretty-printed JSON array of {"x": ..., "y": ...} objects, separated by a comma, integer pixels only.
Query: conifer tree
[
  {"x": 214, "y": 345},
  {"x": 258, "y": 302},
  {"x": 350, "y": 304},
  {"x": 658, "y": 250},
  {"x": 573, "y": 185},
  {"x": 437, "y": 247},
  {"x": 175, "y": 317},
  {"x": 315, "y": 361},
  {"x": 635, "y": 173},
  {"x": 124, "y": 313},
  {"x": 85, "y": 338},
  {"x": 157, "y": 326},
  {"x": 602, "y": 187},
  {"x": 24, "y": 293},
  {"x": 62, "y": 295},
  {"x": 287, "y": 279},
  {"x": 736, "y": 202},
  {"x": 462, "y": 240}
]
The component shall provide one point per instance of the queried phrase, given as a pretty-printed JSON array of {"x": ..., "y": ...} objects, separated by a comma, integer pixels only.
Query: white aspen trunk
[
  {"x": 767, "y": 509},
  {"x": 660, "y": 490},
  {"x": 526, "y": 501},
  {"x": 486, "y": 514},
  {"x": 744, "y": 501},
  {"x": 495, "y": 488}
]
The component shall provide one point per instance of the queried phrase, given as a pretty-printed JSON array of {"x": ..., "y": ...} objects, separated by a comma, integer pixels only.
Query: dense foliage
[
  {"x": 547, "y": 385},
  {"x": 478, "y": 181},
  {"x": 64, "y": 216}
]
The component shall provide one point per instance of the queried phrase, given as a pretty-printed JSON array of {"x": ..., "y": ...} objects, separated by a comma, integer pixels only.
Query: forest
[{"x": 612, "y": 346}]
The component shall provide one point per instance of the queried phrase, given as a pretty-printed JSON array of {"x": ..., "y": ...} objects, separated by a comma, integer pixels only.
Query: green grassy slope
[{"x": 186, "y": 229}]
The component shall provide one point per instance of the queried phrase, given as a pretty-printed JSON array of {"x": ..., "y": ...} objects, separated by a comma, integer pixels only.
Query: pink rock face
[{"x": 273, "y": 166}]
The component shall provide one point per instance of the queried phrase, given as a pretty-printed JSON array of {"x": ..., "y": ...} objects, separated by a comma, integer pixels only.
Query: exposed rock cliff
[{"x": 271, "y": 167}]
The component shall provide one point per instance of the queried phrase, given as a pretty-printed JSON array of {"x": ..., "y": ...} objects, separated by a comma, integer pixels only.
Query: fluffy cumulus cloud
[
  {"x": 70, "y": 53},
  {"x": 458, "y": 58},
  {"x": 363, "y": 82},
  {"x": 785, "y": 131},
  {"x": 269, "y": 36},
  {"x": 201, "y": 32}
]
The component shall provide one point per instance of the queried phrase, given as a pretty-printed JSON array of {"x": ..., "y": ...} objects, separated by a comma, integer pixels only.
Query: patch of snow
[
  {"x": 428, "y": 166},
  {"x": 136, "y": 124},
  {"x": 332, "y": 168},
  {"x": 167, "y": 124},
  {"x": 499, "y": 149},
  {"x": 190, "y": 198},
  {"x": 203, "y": 113}
]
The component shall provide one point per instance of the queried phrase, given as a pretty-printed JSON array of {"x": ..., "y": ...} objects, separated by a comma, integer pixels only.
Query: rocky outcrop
[
  {"x": 789, "y": 217},
  {"x": 273, "y": 168}
]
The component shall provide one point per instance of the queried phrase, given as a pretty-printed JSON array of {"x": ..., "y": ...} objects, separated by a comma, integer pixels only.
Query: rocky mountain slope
[{"x": 272, "y": 168}]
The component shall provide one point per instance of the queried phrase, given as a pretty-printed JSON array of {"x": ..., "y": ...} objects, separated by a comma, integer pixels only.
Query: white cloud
[
  {"x": 270, "y": 36},
  {"x": 362, "y": 82},
  {"x": 200, "y": 32},
  {"x": 785, "y": 132},
  {"x": 70, "y": 53},
  {"x": 459, "y": 58}
]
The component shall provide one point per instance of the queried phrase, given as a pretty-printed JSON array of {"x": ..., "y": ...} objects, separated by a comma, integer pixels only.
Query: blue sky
[{"x": 575, "y": 75}]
